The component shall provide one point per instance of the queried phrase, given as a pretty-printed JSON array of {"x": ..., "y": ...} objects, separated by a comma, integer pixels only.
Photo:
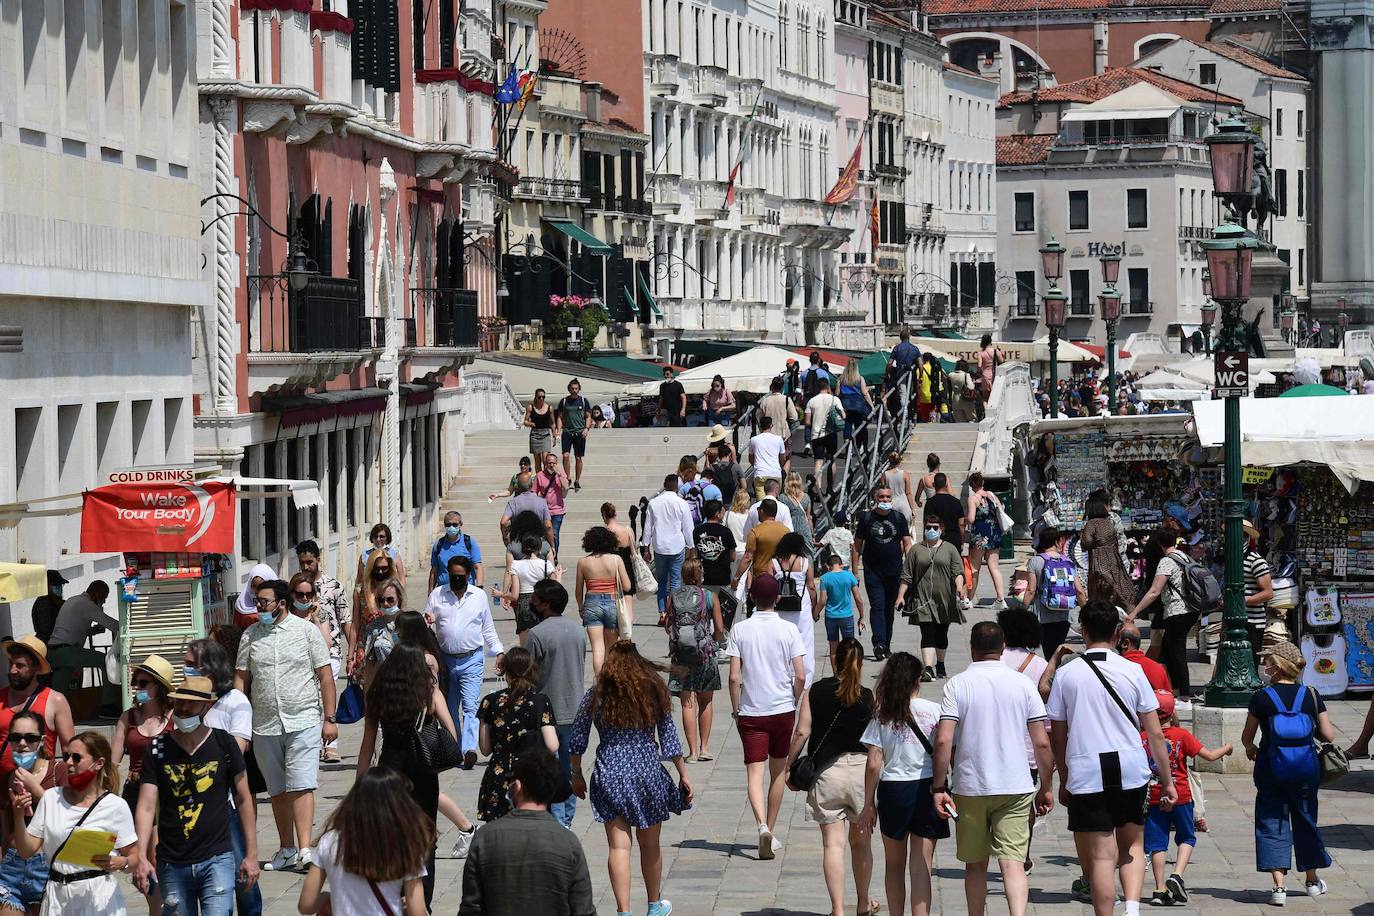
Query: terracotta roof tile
[
  {"x": 1222, "y": 7},
  {"x": 1024, "y": 149},
  {"x": 1247, "y": 58},
  {"x": 1095, "y": 88},
  {"x": 959, "y": 7},
  {"x": 967, "y": 72}
]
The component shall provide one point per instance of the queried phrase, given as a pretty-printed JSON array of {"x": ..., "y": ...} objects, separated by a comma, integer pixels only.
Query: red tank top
[
  {"x": 136, "y": 744},
  {"x": 39, "y": 707}
]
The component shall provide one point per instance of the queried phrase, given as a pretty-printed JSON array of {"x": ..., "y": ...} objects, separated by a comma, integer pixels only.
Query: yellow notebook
[{"x": 85, "y": 844}]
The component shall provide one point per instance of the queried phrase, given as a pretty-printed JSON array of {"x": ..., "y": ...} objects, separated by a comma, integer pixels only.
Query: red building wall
[{"x": 611, "y": 32}]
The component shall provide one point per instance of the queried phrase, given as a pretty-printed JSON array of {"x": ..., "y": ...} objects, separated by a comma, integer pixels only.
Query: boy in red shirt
[{"x": 1162, "y": 817}]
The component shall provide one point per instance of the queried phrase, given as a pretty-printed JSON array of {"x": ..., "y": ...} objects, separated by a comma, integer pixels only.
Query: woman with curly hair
[
  {"x": 402, "y": 692},
  {"x": 512, "y": 720},
  {"x": 633, "y": 715},
  {"x": 601, "y": 579}
]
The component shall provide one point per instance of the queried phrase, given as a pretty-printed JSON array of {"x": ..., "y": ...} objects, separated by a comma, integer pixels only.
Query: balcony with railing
[
  {"x": 1142, "y": 308},
  {"x": 448, "y": 317},
  {"x": 1026, "y": 307},
  {"x": 709, "y": 199},
  {"x": 597, "y": 199},
  {"x": 1082, "y": 308},
  {"x": 553, "y": 189},
  {"x": 884, "y": 98},
  {"x": 665, "y": 194},
  {"x": 663, "y": 73},
  {"x": 308, "y": 336},
  {"x": 711, "y": 87},
  {"x": 474, "y": 29}
]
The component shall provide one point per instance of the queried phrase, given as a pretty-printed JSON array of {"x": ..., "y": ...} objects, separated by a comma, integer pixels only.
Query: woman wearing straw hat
[{"x": 150, "y": 716}]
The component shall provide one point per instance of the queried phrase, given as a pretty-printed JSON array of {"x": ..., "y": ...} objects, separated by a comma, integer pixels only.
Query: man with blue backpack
[
  {"x": 1054, "y": 588},
  {"x": 1291, "y": 719}
]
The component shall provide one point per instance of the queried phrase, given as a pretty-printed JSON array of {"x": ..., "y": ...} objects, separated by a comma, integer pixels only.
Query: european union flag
[{"x": 509, "y": 92}]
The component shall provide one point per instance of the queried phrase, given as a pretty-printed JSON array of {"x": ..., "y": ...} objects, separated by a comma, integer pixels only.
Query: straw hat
[
  {"x": 33, "y": 645},
  {"x": 1250, "y": 530},
  {"x": 718, "y": 434},
  {"x": 195, "y": 689},
  {"x": 158, "y": 668}
]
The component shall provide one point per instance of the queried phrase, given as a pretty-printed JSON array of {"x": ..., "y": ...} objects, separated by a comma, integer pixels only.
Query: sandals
[{"x": 703, "y": 758}]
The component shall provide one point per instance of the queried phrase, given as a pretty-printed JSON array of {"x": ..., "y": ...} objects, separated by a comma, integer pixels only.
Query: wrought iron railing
[
  {"x": 325, "y": 316},
  {"x": 450, "y": 317}
]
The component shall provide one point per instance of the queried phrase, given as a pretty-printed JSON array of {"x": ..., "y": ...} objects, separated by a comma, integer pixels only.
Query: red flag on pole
[
  {"x": 730, "y": 188},
  {"x": 848, "y": 181},
  {"x": 873, "y": 223}
]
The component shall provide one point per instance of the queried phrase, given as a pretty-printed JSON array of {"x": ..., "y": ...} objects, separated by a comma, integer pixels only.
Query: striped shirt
[{"x": 1255, "y": 567}]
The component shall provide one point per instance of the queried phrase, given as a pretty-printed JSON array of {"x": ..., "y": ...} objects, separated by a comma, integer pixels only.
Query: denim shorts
[
  {"x": 598, "y": 610},
  {"x": 289, "y": 762},
  {"x": 22, "y": 881},
  {"x": 837, "y": 628}
]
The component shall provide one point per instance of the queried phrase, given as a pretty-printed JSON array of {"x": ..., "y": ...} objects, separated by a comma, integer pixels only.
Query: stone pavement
[{"x": 710, "y": 860}]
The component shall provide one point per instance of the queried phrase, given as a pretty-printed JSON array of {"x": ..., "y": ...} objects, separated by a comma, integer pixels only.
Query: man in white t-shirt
[
  {"x": 767, "y": 676},
  {"x": 823, "y": 439},
  {"x": 771, "y": 490},
  {"x": 770, "y": 454},
  {"x": 1103, "y": 771},
  {"x": 987, "y": 712}
]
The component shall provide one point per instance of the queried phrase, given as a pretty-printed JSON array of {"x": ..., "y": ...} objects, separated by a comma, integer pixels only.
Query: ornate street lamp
[
  {"x": 1232, "y": 149},
  {"x": 1209, "y": 319},
  {"x": 1052, "y": 259},
  {"x": 1111, "y": 268},
  {"x": 1055, "y": 302},
  {"x": 1287, "y": 317},
  {"x": 1109, "y": 303},
  {"x": 1230, "y": 254}
]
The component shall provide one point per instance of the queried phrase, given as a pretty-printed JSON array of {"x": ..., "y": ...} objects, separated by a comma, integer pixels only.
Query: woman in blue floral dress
[{"x": 630, "y": 788}]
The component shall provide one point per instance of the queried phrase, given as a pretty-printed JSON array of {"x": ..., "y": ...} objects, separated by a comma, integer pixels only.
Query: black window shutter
[
  {"x": 457, "y": 256},
  {"x": 626, "y": 182},
  {"x": 357, "y": 239},
  {"x": 325, "y": 258},
  {"x": 987, "y": 284},
  {"x": 447, "y": 24},
  {"x": 361, "y": 12},
  {"x": 968, "y": 286},
  {"x": 388, "y": 75},
  {"x": 417, "y": 15},
  {"x": 441, "y": 264}
]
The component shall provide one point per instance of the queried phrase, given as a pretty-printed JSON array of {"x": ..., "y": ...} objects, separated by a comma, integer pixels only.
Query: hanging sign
[
  {"x": 159, "y": 516},
  {"x": 1253, "y": 475}
]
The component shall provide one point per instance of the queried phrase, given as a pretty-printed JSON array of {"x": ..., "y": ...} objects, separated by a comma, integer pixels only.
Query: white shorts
[{"x": 289, "y": 762}]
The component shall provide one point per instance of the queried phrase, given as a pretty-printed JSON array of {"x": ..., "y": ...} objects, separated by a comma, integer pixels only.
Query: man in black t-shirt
[
  {"x": 881, "y": 538},
  {"x": 946, "y": 505},
  {"x": 715, "y": 545},
  {"x": 188, "y": 775},
  {"x": 672, "y": 399}
]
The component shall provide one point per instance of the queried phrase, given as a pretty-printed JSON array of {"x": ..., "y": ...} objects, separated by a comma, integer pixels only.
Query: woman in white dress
[
  {"x": 87, "y": 795},
  {"x": 792, "y": 560},
  {"x": 900, "y": 482}
]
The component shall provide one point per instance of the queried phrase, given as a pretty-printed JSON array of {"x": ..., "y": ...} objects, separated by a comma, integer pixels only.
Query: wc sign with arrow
[{"x": 1231, "y": 375}]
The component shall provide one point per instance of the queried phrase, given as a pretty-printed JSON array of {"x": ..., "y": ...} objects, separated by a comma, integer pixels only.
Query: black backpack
[
  {"x": 725, "y": 480},
  {"x": 1201, "y": 591},
  {"x": 789, "y": 595}
]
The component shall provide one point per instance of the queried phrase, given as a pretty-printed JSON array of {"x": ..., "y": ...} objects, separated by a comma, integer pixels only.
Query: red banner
[
  {"x": 848, "y": 181},
  {"x": 159, "y": 517}
]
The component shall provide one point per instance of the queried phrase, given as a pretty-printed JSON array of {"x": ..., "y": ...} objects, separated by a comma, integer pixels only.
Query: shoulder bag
[
  {"x": 645, "y": 583},
  {"x": 381, "y": 900},
  {"x": 432, "y": 747},
  {"x": 1331, "y": 756},
  {"x": 1131, "y": 717},
  {"x": 802, "y": 775},
  {"x": 58, "y": 877}
]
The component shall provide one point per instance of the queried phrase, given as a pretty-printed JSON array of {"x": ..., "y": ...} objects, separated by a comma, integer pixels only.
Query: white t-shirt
[
  {"x": 751, "y": 518},
  {"x": 53, "y": 821},
  {"x": 904, "y": 756},
  {"x": 765, "y": 644},
  {"x": 991, "y": 706},
  {"x": 818, "y": 411},
  {"x": 530, "y": 571},
  {"x": 232, "y": 713},
  {"x": 350, "y": 894},
  {"x": 1097, "y": 726},
  {"x": 1035, "y": 666},
  {"x": 768, "y": 449}
]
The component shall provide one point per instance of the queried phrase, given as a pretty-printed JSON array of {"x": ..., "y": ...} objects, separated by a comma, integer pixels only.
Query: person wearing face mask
[
  {"x": 187, "y": 776},
  {"x": 283, "y": 665},
  {"x": 881, "y": 538},
  {"x": 930, "y": 592},
  {"x": 28, "y": 660},
  {"x": 305, "y": 604},
  {"x": 331, "y": 603},
  {"x": 150, "y": 716},
  {"x": 381, "y": 636},
  {"x": 379, "y": 541},
  {"x": 462, "y": 621},
  {"x": 455, "y": 543},
  {"x": 381, "y": 569},
  {"x": 22, "y": 880},
  {"x": 87, "y": 799}
]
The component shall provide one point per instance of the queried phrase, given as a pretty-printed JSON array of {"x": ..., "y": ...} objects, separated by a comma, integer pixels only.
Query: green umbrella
[
  {"x": 874, "y": 365},
  {"x": 1314, "y": 391}
]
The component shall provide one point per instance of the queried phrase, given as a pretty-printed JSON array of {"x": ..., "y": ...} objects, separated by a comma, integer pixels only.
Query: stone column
[
  {"x": 1343, "y": 265},
  {"x": 221, "y": 362}
]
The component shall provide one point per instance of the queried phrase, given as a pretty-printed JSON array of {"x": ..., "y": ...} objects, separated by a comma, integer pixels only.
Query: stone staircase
[
  {"x": 953, "y": 442},
  {"x": 621, "y": 466}
]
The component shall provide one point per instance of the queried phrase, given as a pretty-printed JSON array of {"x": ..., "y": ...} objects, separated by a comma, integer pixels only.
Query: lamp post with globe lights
[
  {"x": 1230, "y": 256},
  {"x": 1109, "y": 303},
  {"x": 1052, "y": 265}
]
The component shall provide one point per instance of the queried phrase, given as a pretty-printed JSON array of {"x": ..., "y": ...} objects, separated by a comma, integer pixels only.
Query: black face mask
[
  {"x": 458, "y": 583},
  {"x": 381, "y": 575}
]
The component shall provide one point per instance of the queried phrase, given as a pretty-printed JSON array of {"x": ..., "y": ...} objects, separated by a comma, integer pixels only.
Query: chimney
[
  {"x": 591, "y": 100},
  {"x": 990, "y": 65},
  {"x": 1099, "y": 45}
]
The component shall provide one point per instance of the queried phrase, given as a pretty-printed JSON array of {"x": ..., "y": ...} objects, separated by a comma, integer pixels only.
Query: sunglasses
[
  {"x": 74, "y": 757},
  {"x": 305, "y": 595},
  {"x": 390, "y": 600},
  {"x": 24, "y": 738},
  {"x": 143, "y": 682},
  {"x": 265, "y": 602}
]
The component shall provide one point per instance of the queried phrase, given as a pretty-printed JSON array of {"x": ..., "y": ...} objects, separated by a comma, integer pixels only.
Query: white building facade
[
  {"x": 969, "y": 194},
  {"x": 99, "y": 264}
]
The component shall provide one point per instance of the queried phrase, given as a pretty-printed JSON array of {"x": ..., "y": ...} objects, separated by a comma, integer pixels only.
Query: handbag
[
  {"x": 802, "y": 774},
  {"x": 432, "y": 746},
  {"x": 645, "y": 583},
  {"x": 1004, "y": 521},
  {"x": 381, "y": 900},
  {"x": 1334, "y": 763},
  {"x": 351, "y": 706}
]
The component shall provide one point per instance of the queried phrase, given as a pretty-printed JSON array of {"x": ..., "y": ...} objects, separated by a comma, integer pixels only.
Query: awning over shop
[
  {"x": 629, "y": 365},
  {"x": 649, "y": 297},
  {"x": 1279, "y": 431},
  {"x": 300, "y": 409},
  {"x": 751, "y": 370},
  {"x": 20, "y": 581},
  {"x": 1101, "y": 352},
  {"x": 706, "y": 350},
  {"x": 581, "y": 236}
]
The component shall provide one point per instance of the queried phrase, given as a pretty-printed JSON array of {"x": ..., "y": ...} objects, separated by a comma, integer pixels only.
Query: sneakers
[
  {"x": 1081, "y": 891},
  {"x": 460, "y": 848},
  {"x": 577, "y": 486},
  {"x": 940, "y": 671},
  {"x": 1161, "y": 898},
  {"x": 768, "y": 844},
  {"x": 469, "y": 760},
  {"x": 285, "y": 859},
  {"x": 303, "y": 861},
  {"x": 999, "y": 605},
  {"x": 1278, "y": 896},
  {"x": 660, "y": 907},
  {"x": 926, "y": 676},
  {"x": 1316, "y": 888},
  {"x": 1177, "y": 888}
]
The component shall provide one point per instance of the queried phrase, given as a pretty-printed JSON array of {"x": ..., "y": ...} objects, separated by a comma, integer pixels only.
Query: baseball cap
[
  {"x": 1166, "y": 703},
  {"x": 764, "y": 591}
]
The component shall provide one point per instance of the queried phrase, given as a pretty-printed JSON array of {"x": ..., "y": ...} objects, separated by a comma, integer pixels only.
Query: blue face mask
[
  {"x": 186, "y": 723},
  {"x": 885, "y": 506},
  {"x": 301, "y": 605},
  {"x": 266, "y": 617},
  {"x": 932, "y": 534},
  {"x": 141, "y": 697},
  {"x": 188, "y": 671},
  {"x": 453, "y": 530},
  {"x": 25, "y": 760}
]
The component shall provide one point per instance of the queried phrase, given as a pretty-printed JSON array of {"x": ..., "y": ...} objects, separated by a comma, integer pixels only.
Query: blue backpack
[
  {"x": 1056, "y": 589},
  {"x": 1291, "y": 750}
]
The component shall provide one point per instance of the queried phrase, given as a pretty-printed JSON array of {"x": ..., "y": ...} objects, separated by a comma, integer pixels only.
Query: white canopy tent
[
  {"x": 749, "y": 370},
  {"x": 1279, "y": 431},
  {"x": 1163, "y": 385}
]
